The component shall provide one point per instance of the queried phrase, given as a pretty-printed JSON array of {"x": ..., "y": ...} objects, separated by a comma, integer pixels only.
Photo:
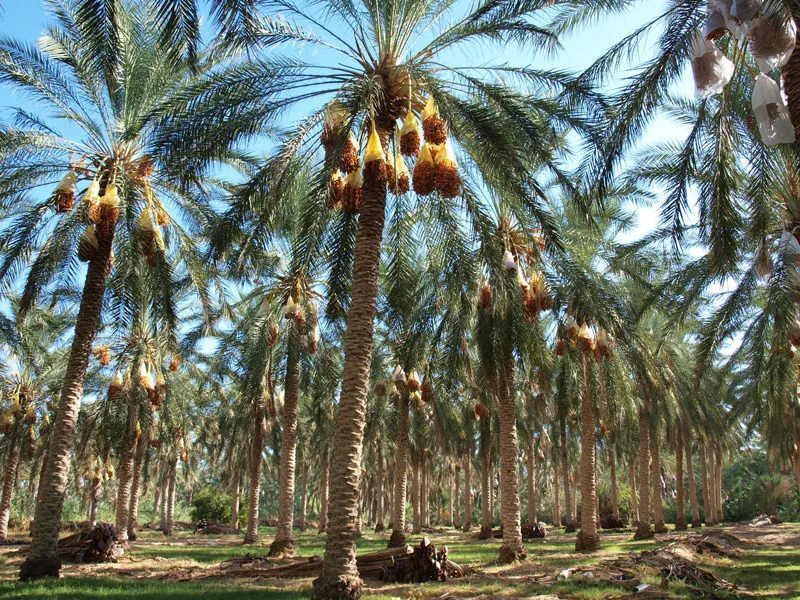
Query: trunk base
[
  {"x": 250, "y": 539},
  {"x": 697, "y": 523},
  {"x": 282, "y": 548},
  {"x": 680, "y": 525},
  {"x": 643, "y": 532},
  {"x": 512, "y": 552},
  {"x": 661, "y": 528},
  {"x": 397, "y": 540},
  {"x": 486, "y": 532},
  {"x": 570, "y": 528},
  {"x": 587, "y": 543},
  {"x": 379, "y": 527},
  {"x": 37, "y": 568},
  {"x": 467, "y": 527},
  {"x": 337, "y": 587}
]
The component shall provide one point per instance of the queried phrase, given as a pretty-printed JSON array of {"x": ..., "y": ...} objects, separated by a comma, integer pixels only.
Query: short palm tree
[{"x": 104, "y": 76}]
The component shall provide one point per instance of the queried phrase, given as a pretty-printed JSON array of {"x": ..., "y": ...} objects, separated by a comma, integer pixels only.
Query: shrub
[{"x": 211, "y": 504}]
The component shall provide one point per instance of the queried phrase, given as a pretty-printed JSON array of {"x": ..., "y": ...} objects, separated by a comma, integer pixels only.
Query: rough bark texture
[
  {"x": 10, "y": 476},
  {"x": 718, "y": 484},
  {"x": 658, "y": 502},
  {"x": 97, "y": 487},
  {"x": 533, "y": 499},
  {"x": 708, "y": 509},
  {"x": 587, "y": 539},
  {"x": 467, "y": 522},
  {"x": 569, "y": 518},
  {"x": 339, "y": 577},
  {"x": 556, "y": 497},
  {"x": 136, "y": 484},
  {"x": 237, "y": 488},
  {"x": 643, "y": 529},
  {"x": 486, "y": 483},
  {"x": 455, "y": 500},
  {"x": 398, "y": 537},
  {"x": 696, "y": 522},
  {"x": 512, "y": 548},
  {"x": 303, "y": 501},
  {"x": 791, "y": 81},
  {"x": 614, "y": 490},
  {"x": 634, "y": 501},
  {"x": 284, "y": 539},
  {"x": 171, "y": 494},
  {"x": 43, "y": 559},
  {"x": 680, "y": 519},
  {"x": 126, "y": 468},
  {"x": 424, "y": 493},
  {"x": 415, "y": 511},
  {"x": 379, "y": 516},
  {"x": 324, "y": 485},
  {"x": 254, "y": 489}
]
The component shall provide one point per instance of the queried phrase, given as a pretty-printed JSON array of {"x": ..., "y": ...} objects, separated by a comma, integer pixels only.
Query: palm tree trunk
[
  {"x": 532, "y": 480},
  {"x": 455, "y": 499},
  {"x": 424, "y": 493},
  {"x": 126, "y": 468},
  {"x": 284, "y": 540},
  {"x": 614, "y": 489},
  {"x": 339, "y": 577},
  {"x": 136, "y": 485},
  {"x": 171, "y": 493},
  {"x": 634, "y": 502},
  {"x": 323, "y": 492},
  {"x": 658, "y": 501},
  {"x": 643, "y": 529},
  {"x": 254, "y": 488},
  {"x": 791, "y": 80},
  {"x": 237, "y": 488},
  {"x": 157, "y": 500},
  {"x": 97, "y": 487},
  {"x": 10, "y": 476},
  {"x": 587, "y": 539},
  {"x": 570, "y": 518},
  {"x": 43, "y": 559},
  {"x": 486, "y": 483},
  {"x": 379, "y": 516},
  {"x": 512, "y": 548},
  {"x": 303, "y": 500},
  {"x": 556, "y": 496},
  {"x": 398, "y": 537},
  {"x": 718, "y": 486},
  {"x": 467, "y": 522},
  {"x": 415, "y": 495},
  {"x": 696, "y": 522},
  {"x": 680, "y": 520},
  {"x": 707, "y": 507}
]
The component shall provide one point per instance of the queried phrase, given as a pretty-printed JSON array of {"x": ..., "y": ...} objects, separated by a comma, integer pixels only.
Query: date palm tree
[
  {"x": 105, "y": 79},
  {"x": 380, "y": 61}
]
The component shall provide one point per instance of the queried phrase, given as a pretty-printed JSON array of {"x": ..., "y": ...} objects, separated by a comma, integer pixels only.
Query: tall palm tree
[
  {"x": 393, "y": 66},
  {"x": 104, "y": 76}
]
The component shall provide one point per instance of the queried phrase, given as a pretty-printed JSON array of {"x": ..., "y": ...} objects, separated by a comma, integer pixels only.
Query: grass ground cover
[{"x": 185, "y": 566}]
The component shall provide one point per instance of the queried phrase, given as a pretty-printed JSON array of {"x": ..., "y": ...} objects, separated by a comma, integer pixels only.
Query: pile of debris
[
  {"x": 96, "y": 544},
  {"x": 206, "y": 527},
  {"x": 537, "y": 531},
  {"x": 422, "y": 563},
  {"x": 764, "y": 521},
  {"x": 675, "y": 561}
]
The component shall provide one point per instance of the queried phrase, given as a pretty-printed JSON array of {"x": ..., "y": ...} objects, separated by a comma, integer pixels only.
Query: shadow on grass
[{"x": 115, "y": 589}]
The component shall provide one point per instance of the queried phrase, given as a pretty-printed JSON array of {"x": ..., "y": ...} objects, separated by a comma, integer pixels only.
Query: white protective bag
[
  {"x": 771, "y": 113},
  {"x": 712, "y": 70}
]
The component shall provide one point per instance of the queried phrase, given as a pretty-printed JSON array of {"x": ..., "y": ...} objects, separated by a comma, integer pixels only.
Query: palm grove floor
[{"x": 187, "y": 566}]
